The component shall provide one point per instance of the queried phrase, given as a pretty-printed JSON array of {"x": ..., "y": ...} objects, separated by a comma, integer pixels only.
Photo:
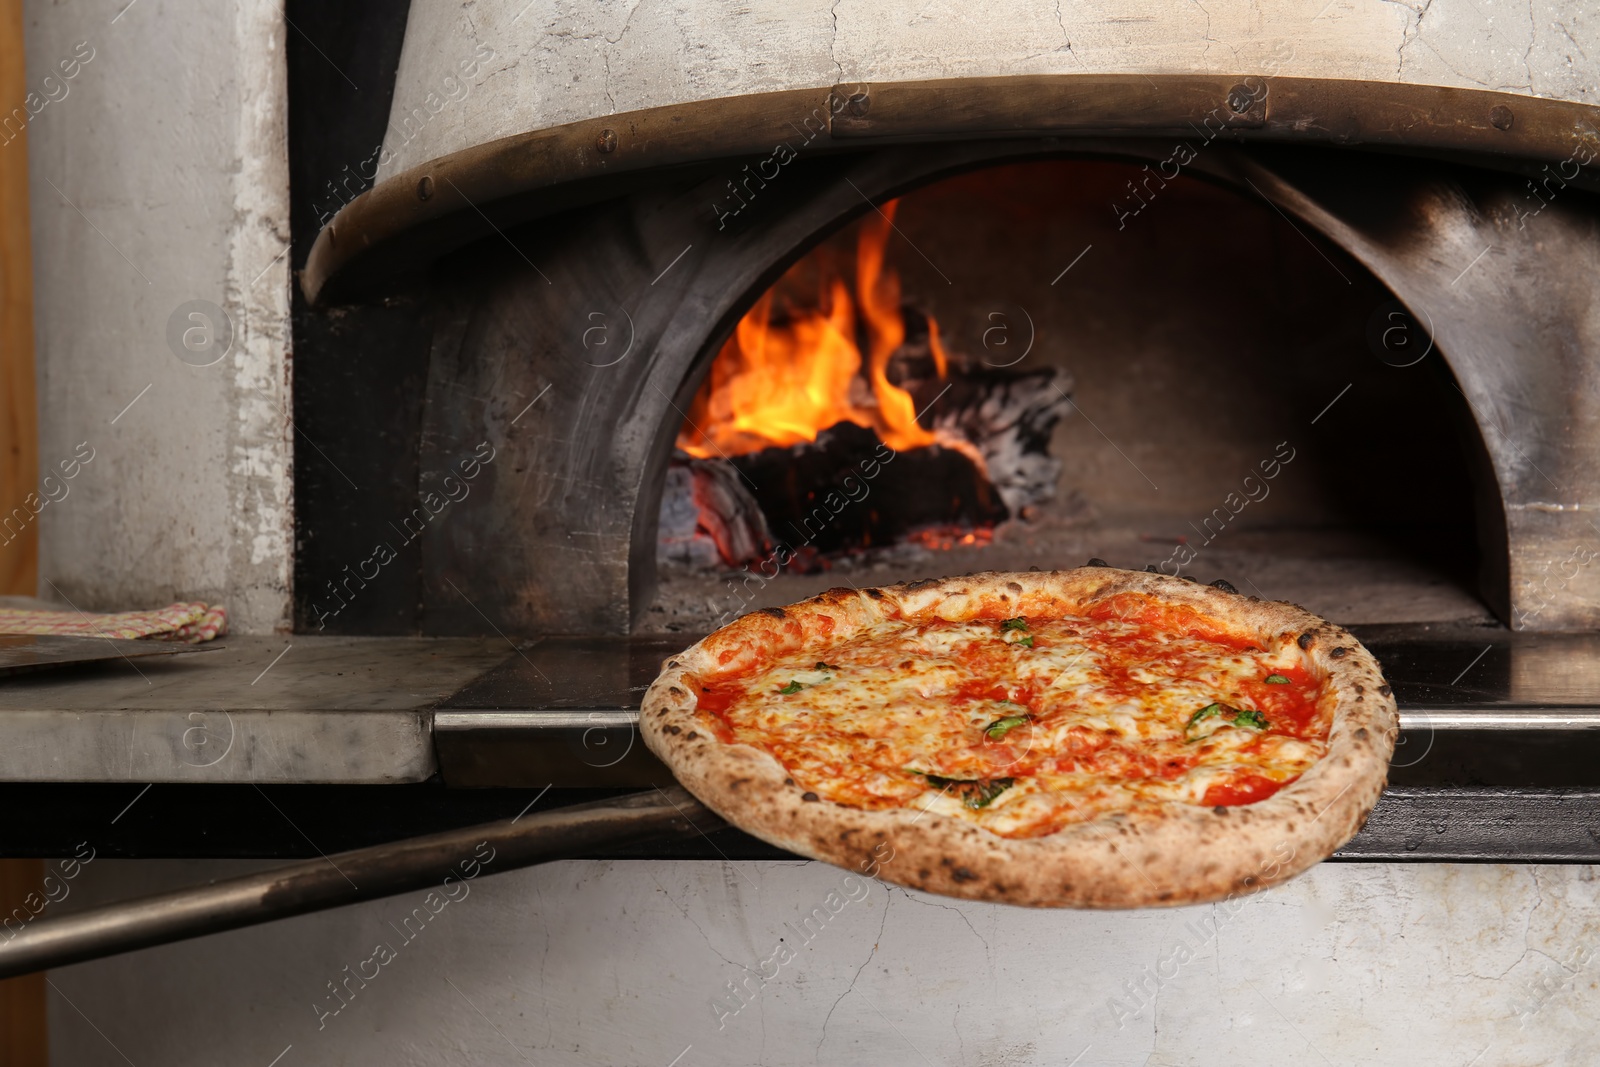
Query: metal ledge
[
  {"x": 1480, "y": 825},
  {"x": 412, "y": 218},
  {"x": 300, "y": 709},
  {"x": 563, "y": 711}
]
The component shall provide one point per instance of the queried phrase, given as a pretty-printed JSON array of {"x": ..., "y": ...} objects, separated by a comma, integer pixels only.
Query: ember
[{"x": 944, "y": 539}]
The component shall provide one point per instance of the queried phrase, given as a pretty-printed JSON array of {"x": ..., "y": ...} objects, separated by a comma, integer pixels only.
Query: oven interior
[{"x": 1200, "y": 383}]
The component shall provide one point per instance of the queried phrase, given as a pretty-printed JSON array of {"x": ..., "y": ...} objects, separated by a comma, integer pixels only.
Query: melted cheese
[{"x": 1026, "y": 726}]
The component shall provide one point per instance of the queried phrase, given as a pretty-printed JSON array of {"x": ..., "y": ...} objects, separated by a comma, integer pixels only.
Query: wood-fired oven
[{"x": 613, "y": 323}]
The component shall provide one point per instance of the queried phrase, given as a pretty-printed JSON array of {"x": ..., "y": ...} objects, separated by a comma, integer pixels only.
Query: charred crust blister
[
  {"x": 776, "y": 613},
  {"x": 809, "y": 797},
  {"x": 1306, "y": 639},
  {"x": 1339, "y": 653},
  {"x": 1386, "y": 689}
]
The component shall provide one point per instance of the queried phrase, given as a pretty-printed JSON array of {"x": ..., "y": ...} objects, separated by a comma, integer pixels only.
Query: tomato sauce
[
  {"x": 1293, "y": 706},
  {"x": 1245, "y": 789}
]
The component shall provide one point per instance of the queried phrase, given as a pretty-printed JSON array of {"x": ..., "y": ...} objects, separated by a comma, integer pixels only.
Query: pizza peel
[
  {"x": 25, "y": 653},
  {"x": 350, "y": 877}
]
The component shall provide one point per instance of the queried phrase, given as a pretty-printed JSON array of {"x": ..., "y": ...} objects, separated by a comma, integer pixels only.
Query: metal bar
[
  {"x": 1424, "y": 717},
  {"x": 537, "y": 719},
  {"x": 349, "y": 877},
  {"x": 1499, "y": 717}
]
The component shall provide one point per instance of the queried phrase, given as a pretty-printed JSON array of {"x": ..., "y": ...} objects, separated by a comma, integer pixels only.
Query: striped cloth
[{"x": 193, "y": 623}]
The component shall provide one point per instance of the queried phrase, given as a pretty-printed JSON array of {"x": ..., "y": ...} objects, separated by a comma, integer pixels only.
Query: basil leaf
[
  {"x": 1277, "y": 679},
  {"x": 1247, "y": 719},
  {"x": 1027, "y": 642},
  {"x": 1000, "y": 727},
  {"x": 975, "y": 793},
  {"x": 791, "y": 689},
  {"x": 1018, "y": 623}
]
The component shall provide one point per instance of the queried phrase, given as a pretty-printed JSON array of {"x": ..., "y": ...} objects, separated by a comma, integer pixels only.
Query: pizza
[{"x": 1087, "y": 738}]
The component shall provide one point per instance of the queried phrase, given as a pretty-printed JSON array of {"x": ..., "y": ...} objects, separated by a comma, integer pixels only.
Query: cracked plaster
[{"x": 617, "y": 962}]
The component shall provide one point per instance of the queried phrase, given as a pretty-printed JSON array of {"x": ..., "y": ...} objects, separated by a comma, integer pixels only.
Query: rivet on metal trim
[
  {"x": 606, "y": 143},
  {"x": 1500, "y": 117},
  {"x": 425, "y": 188},
  {"x": 1239, "y": 99},
  {"x": 859, "y": 105}
]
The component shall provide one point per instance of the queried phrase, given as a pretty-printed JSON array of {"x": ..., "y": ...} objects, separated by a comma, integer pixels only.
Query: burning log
[
  {"x": 708, "y": 516},
  {"x": 849, "y": 491},
  {"x": 1008, "y": 420}
]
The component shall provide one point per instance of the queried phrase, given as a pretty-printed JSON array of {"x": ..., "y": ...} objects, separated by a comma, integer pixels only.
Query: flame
[{"x": 779, "y": 384}]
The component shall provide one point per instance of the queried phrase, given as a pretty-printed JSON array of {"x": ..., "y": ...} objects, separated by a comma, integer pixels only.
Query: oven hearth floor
[{"x": 1350, "y": 578}]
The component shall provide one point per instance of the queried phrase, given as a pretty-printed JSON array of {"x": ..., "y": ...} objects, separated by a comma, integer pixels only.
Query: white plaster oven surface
[
  {"x": 160, "y": 178},
  {"x": 591, "y": 962},
  {"x": 556, "y": 62}
]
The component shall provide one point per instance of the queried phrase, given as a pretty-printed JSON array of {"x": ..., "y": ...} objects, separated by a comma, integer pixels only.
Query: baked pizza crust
[{"x": 1175, "y": 853}]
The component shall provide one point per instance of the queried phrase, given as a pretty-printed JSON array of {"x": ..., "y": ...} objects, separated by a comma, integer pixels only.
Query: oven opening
[{"x": 1033, "y": 364}]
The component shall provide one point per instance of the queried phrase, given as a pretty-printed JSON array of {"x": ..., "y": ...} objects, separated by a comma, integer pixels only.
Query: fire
[{"x": 777, "y": 384}]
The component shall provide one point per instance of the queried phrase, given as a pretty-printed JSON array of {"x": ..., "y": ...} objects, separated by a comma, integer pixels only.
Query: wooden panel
[
  {"x": 19, "y": 460},
  {"x": 22, "y": 1008}
]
